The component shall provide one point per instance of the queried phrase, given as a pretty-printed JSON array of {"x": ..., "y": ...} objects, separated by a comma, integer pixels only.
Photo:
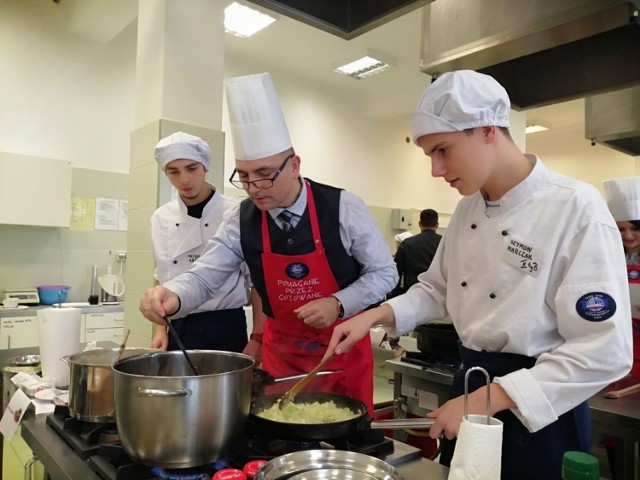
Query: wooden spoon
[
  {"x": 297, "y": 388},
  {"x": 122, "y": 345},
  {"x": 622, "y": 392}
]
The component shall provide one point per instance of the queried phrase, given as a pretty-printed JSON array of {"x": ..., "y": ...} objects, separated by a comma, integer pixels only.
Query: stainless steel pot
[
  {"x": 167, "y": 417},
  {"x": 91, "y": 383}
]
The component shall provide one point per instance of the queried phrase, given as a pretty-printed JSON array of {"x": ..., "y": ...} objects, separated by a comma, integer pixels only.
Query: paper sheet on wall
[
  {"x": 14, "y": 413},
  {"x": 107, "y": 213},
  {"x": 123, "y": 214},
  {"x": 82, "y": 213}
]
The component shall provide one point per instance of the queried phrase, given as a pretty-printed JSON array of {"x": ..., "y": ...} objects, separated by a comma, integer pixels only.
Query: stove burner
[
  {"x": 84, "y": 437},
  {"x": 187, "y": 474}
]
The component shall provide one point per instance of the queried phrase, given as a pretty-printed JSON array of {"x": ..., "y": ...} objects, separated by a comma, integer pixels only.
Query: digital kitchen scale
[{"x": 25, "y": 296}]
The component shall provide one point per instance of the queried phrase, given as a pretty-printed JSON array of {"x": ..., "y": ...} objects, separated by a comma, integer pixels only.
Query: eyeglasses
[{"x": 261, "y": 183}]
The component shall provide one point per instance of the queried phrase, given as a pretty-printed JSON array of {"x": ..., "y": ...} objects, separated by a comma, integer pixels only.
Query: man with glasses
[{"x": 315, "y": 254}]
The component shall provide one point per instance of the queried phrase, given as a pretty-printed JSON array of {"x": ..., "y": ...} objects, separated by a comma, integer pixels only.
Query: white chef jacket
[
  {"x": 179, "y": 240},
  {"x": 360, "y": 237},
  {"x": 517, "y": 282}
]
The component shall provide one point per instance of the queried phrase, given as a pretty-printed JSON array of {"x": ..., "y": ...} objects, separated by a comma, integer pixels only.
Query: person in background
[
  {"x": 415, "y": 253},
  {"x": 623, "y": 198},
  {"x": 315, "y": 253},
  {"x": 530, "y": 270},
  {"x": 400, "y": 237},
  {"x": 180, "y": 230}
]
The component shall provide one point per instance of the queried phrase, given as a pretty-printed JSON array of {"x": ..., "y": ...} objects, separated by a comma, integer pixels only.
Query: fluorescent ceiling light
[
  {"x": 243, "y": 21},
  {"x": 363, "y": 65},
  {"x": 534, "y": 129}
]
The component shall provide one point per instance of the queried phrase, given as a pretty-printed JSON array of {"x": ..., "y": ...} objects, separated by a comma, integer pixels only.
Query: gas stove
[{"x": 99, "y": 446}]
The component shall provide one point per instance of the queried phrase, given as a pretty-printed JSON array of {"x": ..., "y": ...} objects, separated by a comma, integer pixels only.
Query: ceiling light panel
[
  {"x": 363, "y": 65},
  {"x": 243, "y": 21},
  {"x": 534, "y": 129}
]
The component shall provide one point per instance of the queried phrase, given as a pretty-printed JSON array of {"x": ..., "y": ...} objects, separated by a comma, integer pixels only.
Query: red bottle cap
[
  {"x": 252, "y": 467},
  {"x": 229, "y": 474}
]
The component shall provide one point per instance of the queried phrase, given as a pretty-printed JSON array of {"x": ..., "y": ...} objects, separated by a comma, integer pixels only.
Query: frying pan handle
[
  {"x": 156, "y": 392},
  {"x": 399, "y": 423}
]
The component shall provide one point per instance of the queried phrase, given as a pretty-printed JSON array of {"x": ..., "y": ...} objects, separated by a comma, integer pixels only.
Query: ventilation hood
[
  {"x": 613, "y": 119},
  {"x": 541, "y": 51},
  {"x": 344, "y": 18}
]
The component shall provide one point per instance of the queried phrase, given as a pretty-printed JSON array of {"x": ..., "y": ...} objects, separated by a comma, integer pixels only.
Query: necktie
[{"x": 286, "y": 217}]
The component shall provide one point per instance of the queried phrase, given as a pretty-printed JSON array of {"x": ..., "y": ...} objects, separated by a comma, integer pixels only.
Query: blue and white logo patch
[
  {"x": 596, "y": 306},
  {"x": 297, "y": 270}
]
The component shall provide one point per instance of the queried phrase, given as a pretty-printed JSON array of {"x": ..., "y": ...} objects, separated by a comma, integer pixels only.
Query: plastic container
[
  {"x": 251, "y": 468},
  {"x": 229, "y": 474},
  {"x": 48, "y": 294},
  {"x": 580, "y": 466}
]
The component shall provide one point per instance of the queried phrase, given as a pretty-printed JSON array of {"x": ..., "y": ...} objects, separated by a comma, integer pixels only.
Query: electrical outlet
[{"x": 121, "y": 256}]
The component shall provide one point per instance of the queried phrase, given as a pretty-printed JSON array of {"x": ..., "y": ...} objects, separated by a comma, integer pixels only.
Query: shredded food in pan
[{"x": 308, "y": 412}]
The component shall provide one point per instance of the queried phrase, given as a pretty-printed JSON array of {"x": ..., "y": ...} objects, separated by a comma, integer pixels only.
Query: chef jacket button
[
  {"x": 473, "y": 226},
  {"x": 177, "y": 224},
  {"x": 206, "y": 224},
  {"x": 175, "y": 261},
  {"x": 504, "y": 233},
  {"x": 493, "y": 295},
  {"x": 463, "y": 284},
  {"x": 290, "y": 241}
]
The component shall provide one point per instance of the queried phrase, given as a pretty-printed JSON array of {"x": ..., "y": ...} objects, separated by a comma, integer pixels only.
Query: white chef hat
[
  {"x": 401, "y": 237},
  {"x": 459, "y": 100},
  {"x": 182, "y": 146},
  {"x": 258, "y": 128},
  {"x": 623, "y": 198}
]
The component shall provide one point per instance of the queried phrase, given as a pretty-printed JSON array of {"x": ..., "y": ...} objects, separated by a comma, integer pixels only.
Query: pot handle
[
  {"x": 65, "y": 359},
  {"x": 156, "y": 392},
  {"x": 398, "y": 423}
]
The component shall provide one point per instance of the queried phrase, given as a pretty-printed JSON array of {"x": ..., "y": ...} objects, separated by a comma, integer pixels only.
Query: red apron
[
  {"x": 293, "y": 347},
  {"x": 633, "y": 274}
]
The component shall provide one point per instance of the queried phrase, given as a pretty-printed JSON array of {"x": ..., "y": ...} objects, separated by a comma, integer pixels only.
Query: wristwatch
[
  {"x": 340, "y": 308},
  {"x": 256, "y": 337}
]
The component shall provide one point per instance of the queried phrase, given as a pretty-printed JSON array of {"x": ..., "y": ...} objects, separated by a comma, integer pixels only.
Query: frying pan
[{"x": 325, "y": 431}]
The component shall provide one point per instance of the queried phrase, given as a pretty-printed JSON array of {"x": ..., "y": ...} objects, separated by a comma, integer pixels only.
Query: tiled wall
[{"x": 32, "y": 256}]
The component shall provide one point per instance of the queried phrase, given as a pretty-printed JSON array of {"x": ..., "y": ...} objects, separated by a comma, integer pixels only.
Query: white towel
[{"x": 478, "y": 452}]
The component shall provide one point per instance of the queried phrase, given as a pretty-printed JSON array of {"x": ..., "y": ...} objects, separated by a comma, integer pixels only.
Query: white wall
[{"x": 62, "y": 95}]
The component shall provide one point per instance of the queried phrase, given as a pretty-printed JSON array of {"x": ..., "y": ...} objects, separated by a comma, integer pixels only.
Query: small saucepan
[{"x": 325, "y": 431}]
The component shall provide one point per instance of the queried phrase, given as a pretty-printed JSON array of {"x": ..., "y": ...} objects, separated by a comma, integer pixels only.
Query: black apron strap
[
  {"x": 525, "y": 455},
  {"x": 215, "y": 330}
]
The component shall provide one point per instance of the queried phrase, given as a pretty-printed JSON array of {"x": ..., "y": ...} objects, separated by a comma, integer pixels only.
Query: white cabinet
[
  {"x": 22, "y": 331},
  {"x": 18, "y": 332},
  {"x": 102, "y": 326},
  {"x": 43, "y": 187}
]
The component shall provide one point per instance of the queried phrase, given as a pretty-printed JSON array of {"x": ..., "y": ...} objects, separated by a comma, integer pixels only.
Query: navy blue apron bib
[
  {"x": 525, "y": 455},
  {"x": 214, "y": 330}
]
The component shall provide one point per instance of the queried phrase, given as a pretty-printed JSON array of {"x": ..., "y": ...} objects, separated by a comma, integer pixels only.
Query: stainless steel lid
[
  {"x": 24, "y": 361},
  {"x": 327, "y": 464}
]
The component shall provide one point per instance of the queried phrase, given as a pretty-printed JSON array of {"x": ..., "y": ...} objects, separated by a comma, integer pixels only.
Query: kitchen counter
[
  {"x": 32, "y": 310},
  {"x": 61, "y": 463},
  {"x": 421, "y": 389},
  {"x": 620, "y": 418}
]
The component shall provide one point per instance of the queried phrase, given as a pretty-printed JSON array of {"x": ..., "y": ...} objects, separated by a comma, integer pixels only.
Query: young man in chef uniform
[
  {"x": 180, "y": 230},
  {"x": 531, "y": 272},
  {"x": 315, "y": 254}
]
